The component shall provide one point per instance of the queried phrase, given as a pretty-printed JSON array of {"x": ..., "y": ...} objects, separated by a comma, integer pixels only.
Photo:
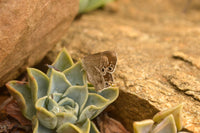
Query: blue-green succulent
[
  {"x": 61, "y": 101},
  {"x": 168, "y": 121},
  {"x": 89, "y": 5}
]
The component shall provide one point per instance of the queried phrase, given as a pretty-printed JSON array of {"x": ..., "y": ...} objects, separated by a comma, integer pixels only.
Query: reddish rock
[{"x": 29, "y": 29}]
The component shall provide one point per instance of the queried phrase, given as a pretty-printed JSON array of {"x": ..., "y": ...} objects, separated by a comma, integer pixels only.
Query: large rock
[{"x": 29, "y": 29}]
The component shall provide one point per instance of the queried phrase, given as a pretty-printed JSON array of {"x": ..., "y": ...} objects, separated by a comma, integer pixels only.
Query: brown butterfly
[{"x": 99, "y": 68}]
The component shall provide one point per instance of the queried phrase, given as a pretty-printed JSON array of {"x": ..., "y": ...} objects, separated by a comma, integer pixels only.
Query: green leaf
[
  {"x": 38, "y": 128},
  {"x": 48, "y": 104},
  {"x": 68, "y": 128},
  {"x": 63, "y": 61},
  {"x": 93, "y": 128},
  {"x": 166, "y": 126},
  {"x": 38, "y": 82},
  {"x": 71, "y": 128},
  {"x": 58, "y": 82},
  {"x": 69, "y": 105},
  {"x": 89, "y": 5},
  {"x": 83, "y": 5},
  {"x": 56, "y": 97},
  {"x": 63, "y": 117},
  {"x": 76, "y": 75},
  {"x": 143, "y": 126},
  {"x": 175, "y": 111},
  {"x": 110, "y": 93},
  {"x": 94, "y": 103},
  {"x": 46, "y": 118},
  {"x": 92, "y": 90},
  {"x": 22, "y": 93},
  {"x": 79, "y": 94},
  {"x": 85, "y": 127}
]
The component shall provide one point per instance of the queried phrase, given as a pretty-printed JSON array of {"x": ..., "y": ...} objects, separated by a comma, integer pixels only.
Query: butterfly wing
[
  {"x": 108, "y": 80},
  {"x": 97, "y": 67},
  {"x": 95, "y": 78},
  {"x": 112, "y": 60}
]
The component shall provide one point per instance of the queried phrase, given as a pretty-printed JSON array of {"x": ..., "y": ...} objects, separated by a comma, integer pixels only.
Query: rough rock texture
[
  {"x": 146, "y": 36},
  {"x": 29, "y": 29}
]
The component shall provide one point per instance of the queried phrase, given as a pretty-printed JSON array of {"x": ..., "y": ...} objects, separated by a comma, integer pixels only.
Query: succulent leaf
[
  {"x": 91, "y": 89},
  {"x": 83, "y": 5},
  {"x": 110, "y": 93},
  {"x": 38, "y": 82},
  {"x": 56, "y": 96},
  {"x": 167, "y": 121},
  {"x": 175, "y": 111},
  {"x": 58, "y": 82},
  {"x": 49, "y": 103},
  {"x": 63, "y": 61},
  {"x": 22, "y": 93},
  {"x": 38, "y": 128},
  {"x": 85, "y": 127},
  {"x": 68, "y": 127},
  {"x": 75, "y": 74},
  {"x": 79, "y": 128},
  {"x": 168, "y": 125},
  {"x": 46, "y": 118},
  {"x": 94, "y": 103},
  {"x": 68, "y": 105},
  {"x": 63, "y": 117},
  {"x": 143, "y": 126},
  {"x": 93, "y": 128},
  {"x": 79, "y": 94},
  {"x": 89, "y": 5}
]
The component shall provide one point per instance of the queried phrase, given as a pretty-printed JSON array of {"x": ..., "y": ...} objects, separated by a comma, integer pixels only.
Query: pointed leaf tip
[
  {"x": 22, "y": 94},
  {"x": 38, "y": 82},
  {"x": 76, "y": 75},
  {"x": 143, "y": 126},
  {"x": 79, "y": 94},
  {"x": 58, "y": 82},
  {"x": 175, "y": 111},
  {"x": 63, "y": 60},
  {"x": 166, "y": 126}
]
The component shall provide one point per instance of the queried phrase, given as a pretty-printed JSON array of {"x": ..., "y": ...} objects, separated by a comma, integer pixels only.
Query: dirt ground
[{"x": 158, "y": 48}]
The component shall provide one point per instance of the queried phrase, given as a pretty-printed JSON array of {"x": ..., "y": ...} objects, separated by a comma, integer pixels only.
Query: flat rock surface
[
  {"x": 147, "y": 36},
  {"x": 28, "y": 30}
]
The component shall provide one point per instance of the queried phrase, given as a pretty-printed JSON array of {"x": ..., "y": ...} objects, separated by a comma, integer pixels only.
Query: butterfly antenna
[{"x": 52, "y": 67}]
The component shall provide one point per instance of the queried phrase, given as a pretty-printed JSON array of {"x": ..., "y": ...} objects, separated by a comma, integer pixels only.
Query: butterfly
[{"x": 99, "y": 68}]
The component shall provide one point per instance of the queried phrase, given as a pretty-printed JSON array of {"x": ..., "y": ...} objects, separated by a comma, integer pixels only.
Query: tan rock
[{"x": 28, "y": 30}]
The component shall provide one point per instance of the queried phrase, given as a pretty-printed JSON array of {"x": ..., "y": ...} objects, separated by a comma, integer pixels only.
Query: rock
[
  {"x": 185, "y": 83},
  {"x": 29, "y": 29},
  {"x": 187, "y": 58},
  {"x": 129, "y": 107}
]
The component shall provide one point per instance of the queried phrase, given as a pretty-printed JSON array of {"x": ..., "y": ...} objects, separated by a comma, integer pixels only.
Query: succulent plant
[
  {"x": 89, "y": 5},
  {"x": 168, "y": 121},
  {"x": 61, "y": 101}
]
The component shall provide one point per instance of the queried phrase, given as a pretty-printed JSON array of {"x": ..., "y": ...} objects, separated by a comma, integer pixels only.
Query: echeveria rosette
[
  {"x": 167, "y": 121},
  {"x": 61, "y": 100},
  {"x": 89, "y": 5}
]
